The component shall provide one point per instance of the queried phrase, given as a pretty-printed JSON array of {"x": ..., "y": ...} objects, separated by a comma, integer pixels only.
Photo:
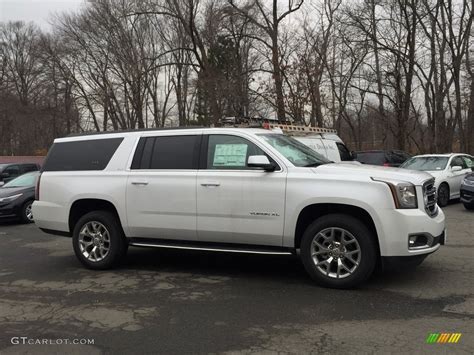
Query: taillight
[
  {"x": 386, "y": 164},
  {"x": 37, "y": 190}
]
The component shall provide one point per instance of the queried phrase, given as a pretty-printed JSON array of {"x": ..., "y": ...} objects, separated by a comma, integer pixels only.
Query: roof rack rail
[{"x": 300, "y": 129}]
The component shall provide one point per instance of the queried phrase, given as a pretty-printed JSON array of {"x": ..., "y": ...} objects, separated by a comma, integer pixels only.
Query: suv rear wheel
[
  {"x": 98, "y": 240},
  {"x": 338, "y": 251}
]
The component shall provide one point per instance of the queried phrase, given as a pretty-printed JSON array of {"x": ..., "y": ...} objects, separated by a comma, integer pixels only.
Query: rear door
[
  {"x": 161, "y": 188},
  {"x": 235, "y": 203}
]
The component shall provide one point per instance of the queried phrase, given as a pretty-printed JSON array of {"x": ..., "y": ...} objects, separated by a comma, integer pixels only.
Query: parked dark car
[
  {"x": 17, "y": 196},
  {"x": 393, "y": 158},
  {"x": 8, "y": 172},
  {"x": 467, "y": 192}
]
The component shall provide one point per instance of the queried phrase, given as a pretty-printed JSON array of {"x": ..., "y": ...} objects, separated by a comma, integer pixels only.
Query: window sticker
[{"x": 228, "y": 155}]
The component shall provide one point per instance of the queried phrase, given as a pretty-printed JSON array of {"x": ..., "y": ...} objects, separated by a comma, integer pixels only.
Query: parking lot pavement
[{"x": 194, "y": 302}]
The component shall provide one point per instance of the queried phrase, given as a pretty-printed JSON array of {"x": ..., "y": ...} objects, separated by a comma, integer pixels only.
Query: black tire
[
  {"x": 25, "y": 212},
  {"x": 443, "y": 195},
  {"x": 468, "y": 206},
  {"x": 117, "y": 243},
  {"x": 358, "y": 231}
]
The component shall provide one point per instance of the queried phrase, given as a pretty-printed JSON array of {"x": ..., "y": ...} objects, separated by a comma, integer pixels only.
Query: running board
[{"x": 215, "y": 247}]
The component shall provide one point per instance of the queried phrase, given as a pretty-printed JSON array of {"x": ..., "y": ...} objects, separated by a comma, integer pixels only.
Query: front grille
[{"x": 429, "y": 197}]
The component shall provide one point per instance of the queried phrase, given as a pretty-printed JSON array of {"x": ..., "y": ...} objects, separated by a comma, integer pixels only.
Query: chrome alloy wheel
[
  {"x": 335, "y": 252},
  {"x": 94, "y": 241},
  {"x": 29, "y": 212}
]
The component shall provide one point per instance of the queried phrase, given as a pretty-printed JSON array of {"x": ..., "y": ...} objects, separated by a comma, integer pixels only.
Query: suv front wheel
[
  {"x": 338, "y": 251},
  {"x": 98, "y": 240}
]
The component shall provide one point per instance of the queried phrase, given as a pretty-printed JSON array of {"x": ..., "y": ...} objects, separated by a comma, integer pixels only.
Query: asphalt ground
[{"x": 181, "y": 302}]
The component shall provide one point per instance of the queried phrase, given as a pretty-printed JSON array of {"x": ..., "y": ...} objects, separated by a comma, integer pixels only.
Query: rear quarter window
[{"x": 84, "y": 155}]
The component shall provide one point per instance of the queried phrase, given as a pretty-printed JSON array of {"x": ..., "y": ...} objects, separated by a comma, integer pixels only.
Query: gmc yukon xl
[{"x": 235, "y": 190}]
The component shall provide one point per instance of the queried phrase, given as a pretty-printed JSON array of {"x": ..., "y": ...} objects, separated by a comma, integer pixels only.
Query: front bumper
[
  {"x": 398, "y": 225},
  {"x": 467, "y": 194},
  {"x": 9, "y": 210}
]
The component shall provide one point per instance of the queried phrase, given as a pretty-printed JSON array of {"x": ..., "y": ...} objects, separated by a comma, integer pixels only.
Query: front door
[
  {"x": 235, "y": 203},
  {"x": 161, "y": 188}
]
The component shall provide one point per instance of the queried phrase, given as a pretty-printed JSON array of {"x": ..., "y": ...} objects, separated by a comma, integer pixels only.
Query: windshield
[
  {"x": 426, "y": 163},
  {"x": 26, "y": 180},
  {"x": 296, "y": 152}
]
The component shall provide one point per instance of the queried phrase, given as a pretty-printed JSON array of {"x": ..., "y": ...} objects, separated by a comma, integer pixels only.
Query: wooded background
[{"x": 384, "y": 73}]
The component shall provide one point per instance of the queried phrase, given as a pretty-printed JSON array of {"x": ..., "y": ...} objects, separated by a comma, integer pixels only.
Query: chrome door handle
[
  {"x": 210, "y": 184},
  {"x": 140, "y": 183}
]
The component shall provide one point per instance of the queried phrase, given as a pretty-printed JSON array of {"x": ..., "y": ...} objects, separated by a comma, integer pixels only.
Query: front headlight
[
  {"x": 468, "y": 182},
  {"x": 404, "y": 193},
  {"x": 10, "y": 198}
]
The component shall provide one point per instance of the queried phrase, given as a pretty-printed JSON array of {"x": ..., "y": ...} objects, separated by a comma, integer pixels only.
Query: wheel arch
[
  {"x": 85, "y": 205},
  {"x": 311, "y": 212}
]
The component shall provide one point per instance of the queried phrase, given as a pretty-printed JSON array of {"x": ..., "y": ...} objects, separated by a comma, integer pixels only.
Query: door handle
[
  {"x": 140, "y": 183},
  {"x": 211, "y": 184}
]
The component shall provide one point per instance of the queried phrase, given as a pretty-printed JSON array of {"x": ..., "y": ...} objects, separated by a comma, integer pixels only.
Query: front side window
[
  {"x": 230, "y": 152},
  {"x": 296, "y": 152},
  {"x": 457, "y": 161}
]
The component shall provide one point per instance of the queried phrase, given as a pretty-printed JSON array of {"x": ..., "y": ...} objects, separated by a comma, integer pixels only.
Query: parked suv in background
[
  {"x": 392, "y": 158},
  {"x": 9, "y": 172},
  {"x": 467, "y": 192},
  {"x": 235, "y": 190},
  {"x": 448, "y": 169}
]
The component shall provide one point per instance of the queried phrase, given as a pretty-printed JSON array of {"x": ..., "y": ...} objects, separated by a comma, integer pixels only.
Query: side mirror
[
  {"x": 260, "y": 161},
  {"x": 456, "y": 168}
]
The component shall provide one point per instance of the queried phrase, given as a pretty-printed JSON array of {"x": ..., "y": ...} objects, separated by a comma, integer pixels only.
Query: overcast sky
[{"x": 38, "y": 11}]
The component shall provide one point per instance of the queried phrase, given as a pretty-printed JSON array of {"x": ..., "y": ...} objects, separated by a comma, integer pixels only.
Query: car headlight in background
[
  {"x": 404, "y": 193},
  {"x": 468, "y": 182},
  {"x": 10, "y": 198}
]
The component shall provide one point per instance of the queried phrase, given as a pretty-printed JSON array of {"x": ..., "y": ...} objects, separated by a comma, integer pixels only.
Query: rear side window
[
  {"x": 92, "y": 154},
  {"x": 167, "y": 152}
]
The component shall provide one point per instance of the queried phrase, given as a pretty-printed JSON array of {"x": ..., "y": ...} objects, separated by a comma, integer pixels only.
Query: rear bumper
[{"x": 51, "y": 216}]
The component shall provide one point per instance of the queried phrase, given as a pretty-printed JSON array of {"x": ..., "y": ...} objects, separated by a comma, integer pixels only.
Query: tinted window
[
  {"x": 167, "y": 152},
  {"x": 179, "y": 152},
  {"x": 398, "y": 157},
  {"x": 230, "y": 152},
  {"x": 12, "y": 170},
  {"x": 374, "y": 158},
  {"x": 344, "y": 152},
  {"x": 29, "y": 167},
  {"x": 92, "y": 154}
]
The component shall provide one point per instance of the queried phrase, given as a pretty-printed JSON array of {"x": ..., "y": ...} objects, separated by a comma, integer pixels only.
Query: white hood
[{"x": 373, "y": 171}]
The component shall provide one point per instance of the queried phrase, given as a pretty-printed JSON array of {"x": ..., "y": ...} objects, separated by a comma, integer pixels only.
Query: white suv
[{"x": 235, "y": 190}]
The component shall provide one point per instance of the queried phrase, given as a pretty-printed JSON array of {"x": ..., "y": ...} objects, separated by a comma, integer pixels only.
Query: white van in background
[{"x": 324, "y": 141}]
